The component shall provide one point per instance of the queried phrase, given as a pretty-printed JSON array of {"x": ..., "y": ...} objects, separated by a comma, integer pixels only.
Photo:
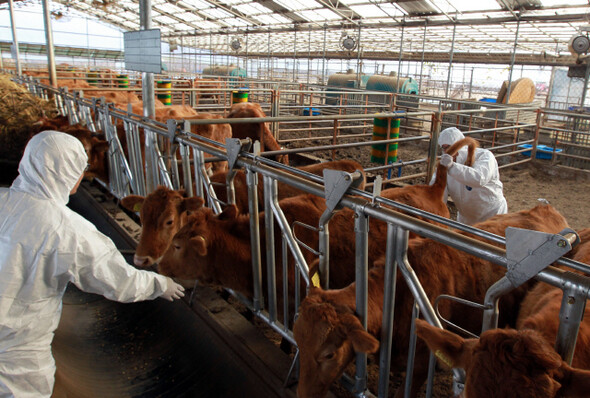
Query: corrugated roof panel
[
  {"x": 417, "y": 7},
  {"x": 216, "y": 13},
  {"x": 272, "y": 19},
  {"x": 252, "y": 9},
  {"x": 321, "y": 14},
  {"x": 368, "y": 11},
  {"x": 197, "y": 4},
  {"x": 170, "y": 8}
]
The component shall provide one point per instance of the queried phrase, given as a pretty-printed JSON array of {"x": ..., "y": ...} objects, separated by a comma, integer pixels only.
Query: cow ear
[
  {"x": 452, "y": 350},
  {"x": 574, "y": 382},
  {"x": 99, "y": 145},
  {"x": 229, "y": 213},
  {"x": 192, "y": 204},
  {"x": 362, "y": 341},
  {"x": 133, "y": 202},
  {"x": 200, "y": 245}
]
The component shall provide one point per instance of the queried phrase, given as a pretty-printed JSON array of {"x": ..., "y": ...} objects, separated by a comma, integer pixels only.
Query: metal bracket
[
  {"x": 172, "y": 128},
  {"x": 529, "y": 252},
  {"x": 234, "y": 146},
  {"x": 336, "y": 183},
  {"x": 377, "y": 186}
]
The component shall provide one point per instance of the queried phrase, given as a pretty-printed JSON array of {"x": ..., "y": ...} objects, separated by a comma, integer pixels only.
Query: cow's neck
[
  {"x": 347, "y": 297},
  {"x": 231, "y": 256}
]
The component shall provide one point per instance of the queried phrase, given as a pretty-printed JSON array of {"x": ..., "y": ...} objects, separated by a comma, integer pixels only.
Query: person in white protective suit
[
  {"x": 43, "y": 246},
  {"x": 477, "y": 190}
]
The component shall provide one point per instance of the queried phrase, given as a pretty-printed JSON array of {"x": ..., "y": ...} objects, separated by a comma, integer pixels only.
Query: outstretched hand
[{"x": 173, "y": 290}]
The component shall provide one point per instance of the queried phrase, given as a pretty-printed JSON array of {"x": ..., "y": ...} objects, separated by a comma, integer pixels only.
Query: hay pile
[{"x": 19, "y": 109}]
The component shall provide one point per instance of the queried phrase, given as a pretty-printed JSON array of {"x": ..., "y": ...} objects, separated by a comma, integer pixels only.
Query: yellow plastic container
[{"x": 379, "y": 151}]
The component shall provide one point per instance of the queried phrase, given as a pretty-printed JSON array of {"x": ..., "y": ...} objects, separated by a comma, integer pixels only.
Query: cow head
[
  {"x": 506, "y": 363},
  {"x": 328, "y": 335},
  {"x": 187, "y": 257},
  {"x": 162, "y": 214}
]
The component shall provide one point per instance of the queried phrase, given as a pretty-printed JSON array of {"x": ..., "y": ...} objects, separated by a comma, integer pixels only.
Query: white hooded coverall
[
  {"x": 43, "y": 246},
  {"x": 477, "y": 190}
]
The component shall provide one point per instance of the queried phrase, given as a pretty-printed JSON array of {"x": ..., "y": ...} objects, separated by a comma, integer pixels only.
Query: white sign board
[{"x": 143, "y": 51}]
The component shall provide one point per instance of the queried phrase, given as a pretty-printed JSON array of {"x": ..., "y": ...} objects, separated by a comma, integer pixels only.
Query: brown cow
[
  {"x": 161, "y": 214},
  {"x": 154, "y": 241},
  {"x": 254, "y": 131},
  {"x": 284, "y": 190},
  {"x": 217, "y": 248},
  {"x": 216, "y": 132},
  {"x": 327, "y": 338}
]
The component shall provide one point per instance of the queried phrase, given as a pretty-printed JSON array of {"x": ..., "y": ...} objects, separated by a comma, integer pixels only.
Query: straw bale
[{"x": 19, "y": 109}]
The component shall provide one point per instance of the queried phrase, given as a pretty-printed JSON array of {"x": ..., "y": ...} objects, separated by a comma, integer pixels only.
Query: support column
[
  {"x": 147, "y": 85},
  {"x": 14, "y": 38},
  {"x": 49, "y": 44},
  {"x": 512, "y": 59},
  {"x": 451, "y": 60}
]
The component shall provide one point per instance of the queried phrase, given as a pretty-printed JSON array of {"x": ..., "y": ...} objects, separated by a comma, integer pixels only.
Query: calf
[
  {"x": 517, "y": 363},
  {"x": 284, "y": 190},
  {"x": 217, "y": 248},
  {"x": 156, "y": 235},
  {"x": 255, "y": 131},
  {"x": 328, "y": 335},
  {"x": 161, "y": 214}
]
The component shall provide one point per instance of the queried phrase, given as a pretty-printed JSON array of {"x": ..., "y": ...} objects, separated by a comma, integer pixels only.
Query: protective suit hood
[
  {"x": 449, "y": 136},
  {"x": 51, "y": 166}
]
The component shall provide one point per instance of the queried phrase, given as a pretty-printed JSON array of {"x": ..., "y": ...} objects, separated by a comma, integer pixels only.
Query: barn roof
[{"x": 482, "y": 28}]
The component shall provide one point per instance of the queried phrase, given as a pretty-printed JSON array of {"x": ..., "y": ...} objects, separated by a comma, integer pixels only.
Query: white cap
[{"x": 449, "y": 136}]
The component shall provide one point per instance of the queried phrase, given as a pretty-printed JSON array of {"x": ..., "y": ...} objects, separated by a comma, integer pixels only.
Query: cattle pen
[{"x": 175, "y": 158}]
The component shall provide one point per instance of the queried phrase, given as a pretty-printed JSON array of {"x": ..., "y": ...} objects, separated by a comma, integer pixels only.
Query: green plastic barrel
[
  {"x": 123, "y": 81},
  {"x": 92, "y": 78},
  {"x": 239, "y": 96},
  {"x": 380, "y": 151},
  {"x": 165, "y": 96}
]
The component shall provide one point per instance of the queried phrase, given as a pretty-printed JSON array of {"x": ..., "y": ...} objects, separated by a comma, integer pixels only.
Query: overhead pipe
[
  {"x": 49, "y": 41},
  {"x": 14, "y": 38}
]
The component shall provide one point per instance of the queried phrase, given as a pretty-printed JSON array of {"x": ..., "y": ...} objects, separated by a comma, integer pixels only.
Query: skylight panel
[
  {"x": 469, "y": 5},
  {"x": 321, "y": 14},
  {"x": 272, "y": 18},
  {"x": 170, "y": 8},
  {"x": 349, "y": 2},
  {"x": 368, "y": 11},
  {"x": 233, "y": 2},
  {"x": 253, "y": 9},
  {"x": 298, "y": 5},
  {"x": 165, "y": 20},
  {"x": 196, "y": 4},
  {"x": 216, "y": 13},
  {"x": 182, "y": 26},
  {"x": 554, "y": 3},
  {"x": 234, "y": 22},
  {"x": 190, "y": 17}
]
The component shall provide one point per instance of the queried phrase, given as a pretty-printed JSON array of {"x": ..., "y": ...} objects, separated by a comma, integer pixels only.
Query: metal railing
[{"x": 130, "y": 172}]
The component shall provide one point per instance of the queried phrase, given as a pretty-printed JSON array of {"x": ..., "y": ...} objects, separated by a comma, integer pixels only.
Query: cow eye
[
  {"x": 177, "y": 247},
  {"x": 169, "y": 222},
  {"x": 327, "y": 356},
  {"x": 188, "y": 212}
]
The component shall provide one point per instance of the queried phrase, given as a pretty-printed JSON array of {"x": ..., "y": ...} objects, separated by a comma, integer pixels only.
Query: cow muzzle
[{"x": 143, "y": 261}]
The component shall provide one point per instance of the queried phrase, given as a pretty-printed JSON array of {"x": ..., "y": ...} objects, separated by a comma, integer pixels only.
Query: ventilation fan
[
  {"x": 236, "y": 44},
  {"x": 348, "y": 42},
  {"x": 579, "y": 44}
]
